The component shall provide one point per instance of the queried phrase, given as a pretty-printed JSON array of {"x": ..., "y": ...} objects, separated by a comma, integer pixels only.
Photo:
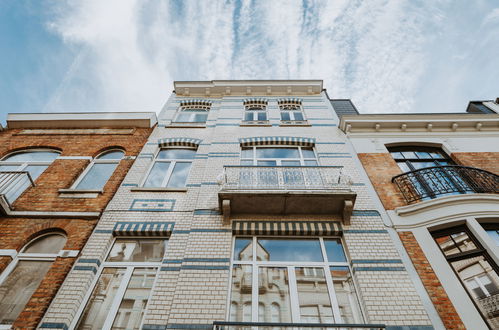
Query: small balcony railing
[
  {"x": 219, "y": 325},
  {"x": 433, "y": 182},
  {"x": 13, "y": 184},
  {"x": 282, "y": 177},
  {"x": 490, "y": 305}
]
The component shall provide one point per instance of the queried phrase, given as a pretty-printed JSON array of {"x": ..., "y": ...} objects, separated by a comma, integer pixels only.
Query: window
[
  {"x": 23, "y": 275},
  {"x": 193, "y": 112},
  {"x": 291, "y": 111},
  {"x": 170, "y": 168},
  {"x": 414, "y": 158},
  {"x": 278, "y": 156},
  {"x": 492, "y": 230},
  {"x": 255, "y": 111},
  {"x": 294, "y": 280},
  {"x": 474, "y": 268},
  {"x": 33, "y": 161},
  {"x": 120, "y": 295},
  {"x": 99, "y": 171}
]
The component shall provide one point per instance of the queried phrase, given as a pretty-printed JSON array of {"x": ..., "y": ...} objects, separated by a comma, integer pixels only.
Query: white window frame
[
  {"x": 172, "y": 161},
  {"x": 94, "y": 161},
  {"x": 21, "y": 256},
  {"x": 192, "y": 110},
  {"x": 254, "y": 113},
  {"x": 290, "y": 265},
  {"x": 278, "y": 161},
  {"x": 129, "y": 268},
  {"x": 23, "y": 164}
]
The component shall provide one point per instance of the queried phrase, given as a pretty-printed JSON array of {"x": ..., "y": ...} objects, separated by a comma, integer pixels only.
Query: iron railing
[
  {"x": 282, "y": 177},
  {"x": 220, "y": 325},
  {"x": 490, "y": 305},
  {"x": 13, "y": 184},
  {"x": 433, "y": 182}
]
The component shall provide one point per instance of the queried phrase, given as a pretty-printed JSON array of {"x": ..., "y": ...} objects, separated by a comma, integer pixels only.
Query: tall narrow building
[{"x": 246, "y": 205}]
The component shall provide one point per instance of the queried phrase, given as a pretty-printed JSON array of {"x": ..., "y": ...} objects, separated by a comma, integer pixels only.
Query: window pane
[
  {"x": 184, "y": 117},
  {"x": 18, "y": 287},
  {"x": 247, "y": 162},
  {"x": 291, "y": 163},
  {"x": 248, "y": 116},
  {"x": 262, "y": 116},
  {"x": 266, "y": 163},
  {"x": 437, "y": 155},
  {"x": 35, "y": 170},
  {"x": 179, "y": 175},
  {"x": 472, "y": 271},
  {"x": 134, "y": 302},
  {"x": 97, "y": 176},
  {"x": 313, "y": 296},
  {"x": 51, "y": 243},
  {"x": 176, "y": 154},
  {"x": 494, "y": 235},
  {"x": 32, "y": 156},
  {"x": 200, "y": 117},
  {"x": 298, "y": 115},
  {"x": 247, "y": 153},
  {"x": 102, "y": 297},
  {"x": 419, "y": 165},
  {"x": 455, "y": 243},
  {"x": 308, "y": 153},
  {"x": 285, "y": 115},
  {"x": 345, "y": 295},
  {"x": 334, "y": 250},
  {"x": 409, "y": 154},
  {"x": 137, "y": 250},
  {"x": 240, "y": 307},
  {"x": 157, "y": 174},
  {"x": 274, "y": 290},
  {"x": 289, "y": 249},
  {"x": 397, "y": 155},
  {"x": 115, "y": 154},
  {"x": 423, "y": 155},
  {"x": 277, "y": 153},
  {"x": 311, "y": 163},
  {"x": 243, "y": 249}
]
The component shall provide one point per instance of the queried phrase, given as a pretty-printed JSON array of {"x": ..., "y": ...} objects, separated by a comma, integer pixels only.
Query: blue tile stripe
[
  {"x": 202, "y": 267},
  {"x": 378, "y": 269},
  {"x": 170, "y": 269},
  {"x": 189, "y": 326},
  {"x": 128, "y": 228},
  {"x": 129, "y": 185},
  {"x": 153, "y": 327},
  {"x": 305, "y": 228},
  {"x": 163, "y": 205},
  {"x": 376, "y": 261},
  {"x": 179, "y": 141},
  {"x": 365, "y": 231},
  {"x": 103, "y": 231},
  {"x": 89, "y": 261},
  {"x": 86, "y": 268},
  {"x": 206, "y": 212},
  {"x": 54, "y": 325},
  {"x": 277, "y": 140},
  {"x": 365, "y": 213}
]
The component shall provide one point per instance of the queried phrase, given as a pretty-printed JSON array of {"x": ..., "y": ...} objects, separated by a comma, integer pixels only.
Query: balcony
[
  {"x": 219, "y": 325},
  {"x": 283, "y": 190},
  {"x": 433, "y": 182},
  {"x": 12, "y": 185},
  {"x": 490, "y": 306}
]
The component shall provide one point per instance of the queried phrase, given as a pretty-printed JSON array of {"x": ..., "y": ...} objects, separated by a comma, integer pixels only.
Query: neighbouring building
[
  {"x": 57, "y": 173},
  {"x": 437, "y": 177},
  {"x": 247, "y": 204}
]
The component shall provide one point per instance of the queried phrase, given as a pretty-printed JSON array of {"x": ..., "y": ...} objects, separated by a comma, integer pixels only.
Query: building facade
[
  {"x": 437, "y": 179},
  {"x": 57, "y": 173},
  {"x": 246, "y": 204}
]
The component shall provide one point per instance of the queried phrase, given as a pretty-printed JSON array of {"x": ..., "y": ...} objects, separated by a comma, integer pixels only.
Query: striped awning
[
  {"x": 195, "y": 102},
  {"x": 298, "y": 228},
  {"x": 288, "y": 101},
  {"x": 128, "y": 228},
  {"x": 255, "y": 101},
  {"x": 277, "y": 140},
  {"x": 179, "y": 141}
]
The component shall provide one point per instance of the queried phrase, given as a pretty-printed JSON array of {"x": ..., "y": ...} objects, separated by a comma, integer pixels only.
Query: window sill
[
  {"x": 255, "y": 123},
  {"x": 294, "y": 123},
  {"x": 79, "y": 193},
  {"x": 158, "y": 189},
  {"x": 186, "y": 125}
]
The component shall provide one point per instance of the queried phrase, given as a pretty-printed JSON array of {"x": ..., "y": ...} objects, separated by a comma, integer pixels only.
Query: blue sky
[{"x": 123, "y": 55}]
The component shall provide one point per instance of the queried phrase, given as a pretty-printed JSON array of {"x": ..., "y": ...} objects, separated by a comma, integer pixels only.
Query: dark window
[
  {"x": 414, "y": 158},
  {"x": 474, "y": 268}
]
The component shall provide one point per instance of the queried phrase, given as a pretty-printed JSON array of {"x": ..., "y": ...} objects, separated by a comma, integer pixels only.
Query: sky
[{"x": 395, "y": 56}]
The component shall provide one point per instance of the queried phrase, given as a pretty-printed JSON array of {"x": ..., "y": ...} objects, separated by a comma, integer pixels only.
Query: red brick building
[{"x": 57, "y": 174}]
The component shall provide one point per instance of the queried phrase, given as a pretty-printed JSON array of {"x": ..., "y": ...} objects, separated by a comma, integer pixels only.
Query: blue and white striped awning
[
  {"x": 277, "y": 140},
  {"x": 298, "y": 228},
  {"x": 179, "y": 141},
  {"x": 255, "y": 101},
  {"x": 127, "y": 228},
  {"x": 195, "y": 102},
  {"x": 290, "y": 100}
]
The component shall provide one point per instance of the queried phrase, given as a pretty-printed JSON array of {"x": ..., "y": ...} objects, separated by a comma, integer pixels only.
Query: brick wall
[
  {"x": 437, "y": 294},
  {"x": 381, "y": 168},
  {"x": 485, "y": 160}
]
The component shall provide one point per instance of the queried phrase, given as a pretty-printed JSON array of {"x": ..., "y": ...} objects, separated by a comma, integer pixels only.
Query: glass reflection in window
[
  {"x": 290, "y": 249},
  {"x": 137, "y": 250}
]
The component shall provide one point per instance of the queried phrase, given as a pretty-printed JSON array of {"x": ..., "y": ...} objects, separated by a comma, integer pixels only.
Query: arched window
[
  {"x": 32, "y": 161},
  {"x": 193, "y": 111},
  {"x": 291, "y": 110},
  {"x": 255, "y": 111},
  {"x": 22, "y": 277},
  {"x": 99, "y": 170}
]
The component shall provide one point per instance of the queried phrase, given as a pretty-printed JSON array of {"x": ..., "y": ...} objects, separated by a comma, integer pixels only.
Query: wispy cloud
[{"x": 387, "y": 55}]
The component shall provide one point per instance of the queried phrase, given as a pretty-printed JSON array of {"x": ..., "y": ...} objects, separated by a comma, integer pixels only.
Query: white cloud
[{"x": 381, "y": 53}]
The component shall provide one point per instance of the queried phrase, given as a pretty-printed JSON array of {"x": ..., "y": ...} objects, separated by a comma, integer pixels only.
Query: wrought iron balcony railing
[
  {"x": 490, "y": 305},
  {"x": 13, "y": 184},
  {"x": 283, "y": 178},
  {"x": 433, "y": 182},
  {"x": 219, "y": 325}
]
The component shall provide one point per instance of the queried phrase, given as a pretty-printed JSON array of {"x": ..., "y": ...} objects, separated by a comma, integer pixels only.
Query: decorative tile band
[
  {"x": 86, "y": 268},
  {"x": 365, "y": 213},
  {"x": 143, "y": 228},
  {"x": 129, "y": 185},
  {"x": 179, "y": 141},
  {"x": 206, "y": 212},
  {"x": 152, "y": 205},
  {"x": 54, "y": 325},
  {"x": 103, "y": 231},
  {"x": 277, "y": 140},
  {"x": 305, "y": 228},
  {"x": 89, "y": 261},
  {"x": 378, "y": 269}
]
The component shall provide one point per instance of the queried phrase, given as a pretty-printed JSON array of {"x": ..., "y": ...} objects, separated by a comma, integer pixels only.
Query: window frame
[
  {"x": 192, "y": 110},
  {"x": 94, "y": 161},
  {"x": 278, "y": 161},
  {"x": 21, "y": 256},
  {"x": 409, "y": 161},
  {"x": 291, "y": 267},
  {"x": 248, "y": 109},
  {"x": 129, "y": 267},
  {"x": 23, "y": 164},
  {"x": 169, "y": 172},
  {"x": 298, "y": 108}
]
